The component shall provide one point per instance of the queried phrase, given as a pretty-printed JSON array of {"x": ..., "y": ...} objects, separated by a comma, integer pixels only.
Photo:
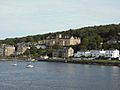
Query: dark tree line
[{"x": 91, "y": 37}]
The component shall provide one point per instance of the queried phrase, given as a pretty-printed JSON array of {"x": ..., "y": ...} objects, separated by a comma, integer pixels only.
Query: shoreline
[{"x": 90, "y": 62}]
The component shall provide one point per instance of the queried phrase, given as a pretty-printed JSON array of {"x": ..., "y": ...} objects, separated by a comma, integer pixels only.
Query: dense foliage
[
  {"x": 34, "y": 52},
  {"x": 95, "y": 37}
]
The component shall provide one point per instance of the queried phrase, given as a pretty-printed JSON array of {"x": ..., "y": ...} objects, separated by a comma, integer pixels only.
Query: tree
[
  {"x": 33, "y": 50},
  {"x": 27, "y": 52}
]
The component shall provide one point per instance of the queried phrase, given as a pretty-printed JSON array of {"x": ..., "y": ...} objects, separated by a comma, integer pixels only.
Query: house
[
  {"x": 7, "y": 50},
  {"x": 65, "y": 52},
  {"x": 40, "y": 46},
  {"x": 98, "y": 53}
]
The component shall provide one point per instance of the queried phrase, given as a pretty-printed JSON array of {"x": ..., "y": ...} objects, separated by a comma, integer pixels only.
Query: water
[{"x": 58, "y": 76}]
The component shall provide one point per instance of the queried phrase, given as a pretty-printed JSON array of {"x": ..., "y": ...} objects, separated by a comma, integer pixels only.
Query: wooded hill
[{"x": 94, "y": 37}]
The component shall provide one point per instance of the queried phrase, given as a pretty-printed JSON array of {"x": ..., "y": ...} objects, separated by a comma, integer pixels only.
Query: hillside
[{"x": 95, "y": 37}]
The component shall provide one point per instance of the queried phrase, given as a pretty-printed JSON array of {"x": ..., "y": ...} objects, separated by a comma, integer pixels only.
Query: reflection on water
[{"x": 58, "y": 76}]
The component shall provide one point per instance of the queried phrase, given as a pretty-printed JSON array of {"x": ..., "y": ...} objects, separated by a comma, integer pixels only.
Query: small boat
[
  {"x": 15, "y": 64},
  {"x": 29, "y": 66},
  {"x": 15, "y": 61},
  {"x": 30, "y": 60}
]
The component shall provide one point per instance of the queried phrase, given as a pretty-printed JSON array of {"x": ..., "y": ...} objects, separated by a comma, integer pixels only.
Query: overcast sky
[{"x": 29, "y": 17}]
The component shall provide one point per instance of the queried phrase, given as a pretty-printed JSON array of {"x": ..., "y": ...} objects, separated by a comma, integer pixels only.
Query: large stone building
[
  {"x": 65, "y": 52},
  {"x": 61, "y": 41},
  {"x": 7, "y": 50},
  {"x": 2, "y": 49}
]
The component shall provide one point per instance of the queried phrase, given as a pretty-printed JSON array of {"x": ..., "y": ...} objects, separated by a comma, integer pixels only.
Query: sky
[{"x": 20, "y": 18}]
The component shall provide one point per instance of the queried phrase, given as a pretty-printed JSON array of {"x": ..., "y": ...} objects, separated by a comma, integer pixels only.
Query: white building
[
  {"x": 98, "y": 53},
  {"x": 40, "y": 46},
  {"x": 112, "y": 53}
]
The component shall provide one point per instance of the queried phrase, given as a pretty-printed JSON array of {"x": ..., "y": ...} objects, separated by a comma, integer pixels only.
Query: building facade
[
  {"x": 2, "y": 49},
  {"x": 63, "y": 53},
  {"x": 7, "y": 50},
  {"x": 40, "y": 46},
  {"x": 98, "y": 53},
  {"x": 61, "y": 41}
]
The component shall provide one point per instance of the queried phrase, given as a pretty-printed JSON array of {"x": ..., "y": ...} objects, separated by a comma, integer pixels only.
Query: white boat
[
  {"x": 29, "y": 66},
  {"x": 29, "y": 59},
  {"x": 15, "y": 64}
]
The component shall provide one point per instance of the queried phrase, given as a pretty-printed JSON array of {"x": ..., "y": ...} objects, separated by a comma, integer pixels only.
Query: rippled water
[{"x": 58, "y": 76}]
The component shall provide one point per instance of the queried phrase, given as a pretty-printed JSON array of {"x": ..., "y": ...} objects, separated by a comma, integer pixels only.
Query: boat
[
  {"x": 15, "y": 62},
  {"x": 29, "y": 66},
  {"x": 29, "y": 60}
]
